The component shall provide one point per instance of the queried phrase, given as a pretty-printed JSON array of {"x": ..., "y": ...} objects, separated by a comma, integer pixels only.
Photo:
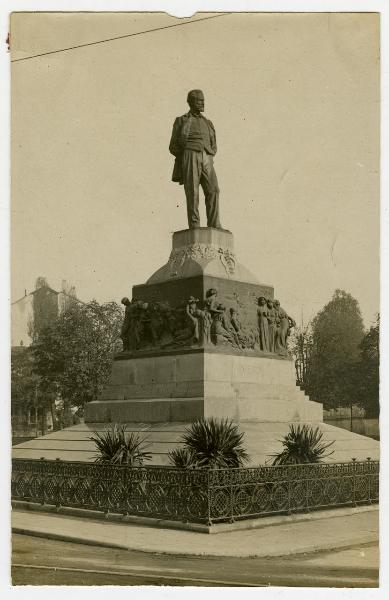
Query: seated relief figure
[
  {"x": 220, "y": 331},
  {"x": 236, "y": 328},
  {"x": 245, "y": 337},
  {"x": 186, "y": 327}
]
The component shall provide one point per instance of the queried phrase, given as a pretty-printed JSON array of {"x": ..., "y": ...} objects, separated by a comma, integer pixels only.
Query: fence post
[
  {"x": 369, "y": 478},
  {"x": 307, "y": 495},
  {"x": 354, "y": 481},
  {"x": 107, "y": 489},
  {"x": 289, "y": 511},
  {"x": 125, "y": 492},
  {"x": 231, "y": 519},
  {"x": 57, "y": 490},
  {"x": 43, "y": 489},
  {"x": 209, "y": 515}
]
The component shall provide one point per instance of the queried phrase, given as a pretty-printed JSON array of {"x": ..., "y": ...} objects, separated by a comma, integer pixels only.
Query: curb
[
  {"x": 63, "y": 537},
  {"x": 310, "y": 548},
  {"x": 150, "y": 522}
]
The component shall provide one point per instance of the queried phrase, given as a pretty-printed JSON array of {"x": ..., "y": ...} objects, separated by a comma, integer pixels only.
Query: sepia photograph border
[{"x": 177, "y": 9}]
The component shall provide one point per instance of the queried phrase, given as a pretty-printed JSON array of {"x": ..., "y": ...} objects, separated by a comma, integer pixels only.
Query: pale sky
[{"x": 295, "y": 102}]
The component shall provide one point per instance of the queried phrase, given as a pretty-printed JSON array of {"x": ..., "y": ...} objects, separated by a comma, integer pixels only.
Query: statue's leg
[
  {"x": 211, "y": 191},
  {"x": 191, "y": 171}
]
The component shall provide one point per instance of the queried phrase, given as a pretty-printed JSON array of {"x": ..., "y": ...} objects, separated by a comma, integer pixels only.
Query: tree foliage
[
  {"x": 73, "y": 354},
  {"x": 368, "y": 371},
  {"x": 25, "y": 386},
  {"x": 24, "y": 381},
  {"x": 337, "y": 331}
]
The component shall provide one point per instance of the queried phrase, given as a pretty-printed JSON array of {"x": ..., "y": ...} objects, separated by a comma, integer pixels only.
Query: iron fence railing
[{"x": 195, "y": 495}]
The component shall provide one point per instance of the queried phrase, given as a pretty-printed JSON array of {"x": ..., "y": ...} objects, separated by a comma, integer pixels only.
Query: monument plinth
[{"x": 194, "y": 347}]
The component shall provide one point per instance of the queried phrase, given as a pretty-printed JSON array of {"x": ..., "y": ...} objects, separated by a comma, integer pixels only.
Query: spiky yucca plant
[
  {"x": 214, "y": 444},
  {"x": 302, "y": 444},
  {"x": 182, "y": 458},
  {"x": 118, "y": 446}
]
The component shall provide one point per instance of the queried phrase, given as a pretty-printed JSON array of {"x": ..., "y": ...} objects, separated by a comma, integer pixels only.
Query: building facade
[{"x": 32, "y": 415}]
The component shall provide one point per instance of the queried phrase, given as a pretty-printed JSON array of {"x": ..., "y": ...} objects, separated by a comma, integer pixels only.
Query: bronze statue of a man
[{"x": 193, "y": 143}]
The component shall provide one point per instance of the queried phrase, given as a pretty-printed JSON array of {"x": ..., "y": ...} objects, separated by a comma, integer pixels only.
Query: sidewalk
[{"x": 280, "y": 539}]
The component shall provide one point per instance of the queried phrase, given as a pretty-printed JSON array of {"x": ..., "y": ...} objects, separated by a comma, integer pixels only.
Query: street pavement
[
  {"x": 40, "y": 561},
  {"x": 287, "y": 538}
]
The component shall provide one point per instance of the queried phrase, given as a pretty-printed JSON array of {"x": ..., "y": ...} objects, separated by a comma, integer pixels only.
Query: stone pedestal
[
  {"x": 202, "y": 259},
  {"x": 170, "y": 378},
  {"x": 204, "y": 252},
  {"x": 202, "y": 384}
]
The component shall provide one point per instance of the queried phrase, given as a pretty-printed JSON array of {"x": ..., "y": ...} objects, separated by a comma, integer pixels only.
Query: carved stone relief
[
  {"x": 156, "y": 325},
  {"x": 197, "y": 252}
]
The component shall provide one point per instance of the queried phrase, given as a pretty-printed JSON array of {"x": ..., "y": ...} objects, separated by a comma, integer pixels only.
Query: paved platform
[
  {"x": 261, "y": 441},
  {"x": 339, "y": 529}
]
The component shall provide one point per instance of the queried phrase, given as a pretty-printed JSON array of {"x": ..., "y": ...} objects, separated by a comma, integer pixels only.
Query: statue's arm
[
  {"x": 174, "y": 146},
  {"x": 214, "y": 144}
]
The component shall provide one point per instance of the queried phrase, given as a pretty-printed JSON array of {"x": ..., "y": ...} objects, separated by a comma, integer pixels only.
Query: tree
[
  {"x": 368, "y": 371},
  {"x": 337, "y": 331},
  {"x": 25, "y": 396},
  {"x": 73, "y": 355}
]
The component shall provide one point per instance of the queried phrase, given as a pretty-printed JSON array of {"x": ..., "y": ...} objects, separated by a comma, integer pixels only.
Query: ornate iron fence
[
  {"x": 264, "y": 491},
  {"x": 202, "y": 496}
]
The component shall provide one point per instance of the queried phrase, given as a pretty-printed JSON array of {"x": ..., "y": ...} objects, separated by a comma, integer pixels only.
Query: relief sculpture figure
[
  {"x": 263, "y": 324},
  {"x": 131, "y": 332},
  {"x": 124, "y": 333},
  {"x": 210, "y": 304},
  {"x": 236, "y": 328},
  {"x": 272, "y": 318},
  {"x": 220, "y": 332},
  {"x": 285, "y": 324},
  {"x": 159, "y": 325},
  {"x": 193, "y": 143},
  {"x": 195, "y": 316},
  {"x": 245, "y": 338}
]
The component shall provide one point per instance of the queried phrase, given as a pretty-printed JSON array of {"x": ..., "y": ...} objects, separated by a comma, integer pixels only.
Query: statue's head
[
  {"x": 192, "y": 301},
  {"x": 211, "y": 292},
  {"x": 195, "y": 100}
]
